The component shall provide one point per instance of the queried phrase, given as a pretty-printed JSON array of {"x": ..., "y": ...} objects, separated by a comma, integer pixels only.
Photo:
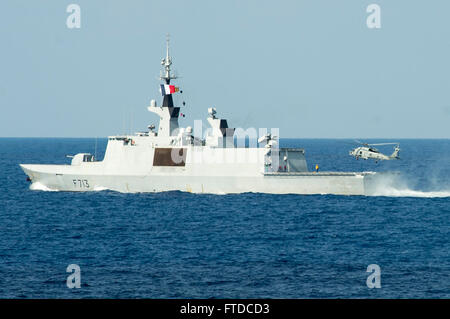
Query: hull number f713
[{"x": 81, "y": 183}]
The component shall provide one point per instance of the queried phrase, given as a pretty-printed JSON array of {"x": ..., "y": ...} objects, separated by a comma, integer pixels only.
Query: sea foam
[
  {"x": 37, "y": 186},
  {"x": 398, "y": 186}
]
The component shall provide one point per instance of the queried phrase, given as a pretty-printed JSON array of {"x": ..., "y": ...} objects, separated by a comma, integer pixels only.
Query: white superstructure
[{"x": 172, "y": 158}]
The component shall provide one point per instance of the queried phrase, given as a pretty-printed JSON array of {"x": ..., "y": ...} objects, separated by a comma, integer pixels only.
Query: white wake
[
  {"x": 395, "y": 192},
  {"x": 397, "y": 186},
  {"x": 37, "y": 186},
  {"x": 100, "y": 188}
]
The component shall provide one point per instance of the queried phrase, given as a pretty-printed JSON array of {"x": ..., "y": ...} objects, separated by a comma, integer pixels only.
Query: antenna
[
  {"x": 167, "y": 45},
  {"x": 95, "y": 151},
  {"x": 131, "y": 121},
  {"x": 166, "y": 63},
  {"x": 123, "y": 122}
]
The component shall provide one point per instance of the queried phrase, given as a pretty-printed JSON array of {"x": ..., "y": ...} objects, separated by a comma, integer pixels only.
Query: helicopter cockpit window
[{"x": 88, "y": 158}]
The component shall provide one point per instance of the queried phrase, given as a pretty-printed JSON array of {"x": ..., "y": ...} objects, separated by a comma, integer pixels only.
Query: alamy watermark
[
  {"x": 73, "y": 21},
  {"x": 74, "y": 279},
  {"x": 374, "y": 279},
  {"x": 374, "y": 19},
  {"x": 244, "y": 146}
]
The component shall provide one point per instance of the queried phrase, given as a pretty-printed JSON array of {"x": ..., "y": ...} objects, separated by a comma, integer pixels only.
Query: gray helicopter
[{"x": 367, "y": 151}]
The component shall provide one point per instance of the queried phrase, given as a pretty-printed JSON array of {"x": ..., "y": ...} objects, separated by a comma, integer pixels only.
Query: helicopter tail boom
[{"x": 395, "y": 155}]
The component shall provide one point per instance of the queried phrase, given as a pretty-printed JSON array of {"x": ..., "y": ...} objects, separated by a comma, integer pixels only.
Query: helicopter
[{"x": 367, "y": 151}]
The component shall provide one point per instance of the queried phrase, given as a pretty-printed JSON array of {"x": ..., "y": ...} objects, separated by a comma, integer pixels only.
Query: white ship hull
[{"x": 281, "y": 183}]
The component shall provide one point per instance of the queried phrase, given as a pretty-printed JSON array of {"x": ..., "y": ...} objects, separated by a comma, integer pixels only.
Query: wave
[
  {"x": 37, "y": 186},
  {"x": 397, "y": 186},
  {"x": 394, "y": 192},
  {"x": 100, "y": 188}
]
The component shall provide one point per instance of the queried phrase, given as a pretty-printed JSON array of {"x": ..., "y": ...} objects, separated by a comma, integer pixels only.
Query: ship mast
[
  {"x": 166, "y": 76},
  {"x": 167, "y": 62},
  {"x": 168, "y": 112}
]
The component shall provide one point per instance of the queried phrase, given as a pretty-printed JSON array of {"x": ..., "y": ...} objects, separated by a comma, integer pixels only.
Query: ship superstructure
[{"x": 173, "y": 158}]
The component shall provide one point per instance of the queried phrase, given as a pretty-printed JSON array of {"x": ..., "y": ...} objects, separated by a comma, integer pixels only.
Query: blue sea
[{"x": 182, "y": 245}]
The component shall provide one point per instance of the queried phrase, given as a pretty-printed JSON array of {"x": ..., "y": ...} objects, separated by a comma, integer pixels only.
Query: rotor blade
[
  {"x": 384, "y": 144},
  {"x": 357, "y": 141},
  {"x": 346, "y": 142}
]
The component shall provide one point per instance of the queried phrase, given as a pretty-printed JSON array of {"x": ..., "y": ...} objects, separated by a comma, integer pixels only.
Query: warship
[{"x": 174, "y": 158}]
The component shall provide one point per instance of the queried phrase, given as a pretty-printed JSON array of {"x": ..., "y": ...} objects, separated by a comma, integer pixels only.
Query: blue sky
[{"x": 311, "y": 68}]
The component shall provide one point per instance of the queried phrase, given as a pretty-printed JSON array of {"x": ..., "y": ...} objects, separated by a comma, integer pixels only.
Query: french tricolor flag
[{"x": 167, "y": 89}]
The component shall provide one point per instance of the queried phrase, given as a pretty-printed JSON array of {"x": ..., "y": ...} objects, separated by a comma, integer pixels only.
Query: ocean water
[{"x": 181, "y": 245}]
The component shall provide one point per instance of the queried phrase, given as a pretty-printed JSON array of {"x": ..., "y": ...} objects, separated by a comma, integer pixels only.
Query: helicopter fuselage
[{"x": 368, "y": 152}]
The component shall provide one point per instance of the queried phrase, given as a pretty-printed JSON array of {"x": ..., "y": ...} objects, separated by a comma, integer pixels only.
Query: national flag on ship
[{"x": 167, "y": 89}]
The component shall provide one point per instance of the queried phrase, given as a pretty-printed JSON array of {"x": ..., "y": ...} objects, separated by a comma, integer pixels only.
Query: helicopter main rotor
[{"x": 375, "y": 144}]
